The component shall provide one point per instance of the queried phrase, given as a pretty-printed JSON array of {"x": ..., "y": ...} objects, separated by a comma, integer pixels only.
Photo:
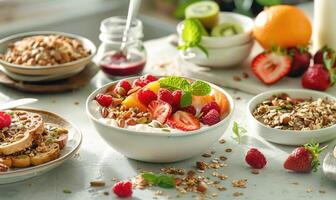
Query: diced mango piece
[
  {"x": 200, "y": 101},
  {"x": 153, "y": 86},
  {"x": 133, "y": 101},
  {"x": 223, "y": 103}
]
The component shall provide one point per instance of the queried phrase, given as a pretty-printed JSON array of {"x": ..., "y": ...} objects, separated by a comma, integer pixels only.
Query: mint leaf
[
  {"x": 175, "y": 83},
  {"x": 200, "y": 88},
  {"x": 166, "y": 181},
  {"x": 192, "y": 35},
  {"x": 186, "y": 99},
  {"x": 238, "y": 131},
  {"x": 150, "y": 178}
]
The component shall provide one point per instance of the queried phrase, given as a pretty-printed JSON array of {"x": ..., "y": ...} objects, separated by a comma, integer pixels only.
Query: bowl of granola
[
  {"x": 293, "y": 116},
  {"x": 44, "y": 53},
  {"x": 160, "y": 119}
]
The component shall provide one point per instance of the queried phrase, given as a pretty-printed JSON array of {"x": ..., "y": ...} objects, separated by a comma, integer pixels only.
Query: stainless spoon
[{"x": 16, "y": 103}]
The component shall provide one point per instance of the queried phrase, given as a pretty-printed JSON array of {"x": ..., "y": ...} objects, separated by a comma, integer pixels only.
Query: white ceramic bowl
[
  {"x": 289, "y": 137},
  {"x": 219, "y": 57},
  {"x": 158, "y": 147},
  {"x": 74, "y": 66},
  {"x": 228, "y": 41}
]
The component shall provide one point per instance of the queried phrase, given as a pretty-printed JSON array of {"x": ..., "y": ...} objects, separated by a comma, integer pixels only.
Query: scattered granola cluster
[{"x": 286, "y": 113}]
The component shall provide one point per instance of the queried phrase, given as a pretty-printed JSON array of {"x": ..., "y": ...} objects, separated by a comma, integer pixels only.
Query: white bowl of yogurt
[{"x": 145, "y": 143}]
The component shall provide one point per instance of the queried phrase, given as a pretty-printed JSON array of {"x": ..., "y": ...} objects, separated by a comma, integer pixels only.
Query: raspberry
[
  {"x": 165, "y": 95},
  {"x": 211, "y": 118},
  {"x": 149, "y": 78},
  {"x": 122, "y": 88},
  {"x": 145, "y": 96},
  {"x": 177, "y": 94},
  {"x": 123, "y": 189},
  {"x": 140, "y": 83},
  {"x": 5, "y": 120},
  {"x": 255, "y": 158},
  {"x": 190, "y": 109},
  {"x": 209, "y": 106},
  {"x": 104, "y": 100}
]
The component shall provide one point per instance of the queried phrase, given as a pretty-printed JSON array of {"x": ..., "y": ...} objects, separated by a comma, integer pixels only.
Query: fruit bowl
[
  {"x": 158, "y": 147},
  {"x": 228, "y": 41},
  {"x": 289, "y": 137}
]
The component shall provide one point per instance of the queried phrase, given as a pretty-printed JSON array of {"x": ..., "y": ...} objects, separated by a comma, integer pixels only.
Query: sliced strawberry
[
  {"x": 160, "y": 110},
  {"x": 271, "y": 67},
  {"x": 184, "y": 121}
]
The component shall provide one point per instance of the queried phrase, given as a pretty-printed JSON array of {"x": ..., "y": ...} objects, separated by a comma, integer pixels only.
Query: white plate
[
  {"x": 74, "y": 142},
  {"x": 289, "y": 137}
]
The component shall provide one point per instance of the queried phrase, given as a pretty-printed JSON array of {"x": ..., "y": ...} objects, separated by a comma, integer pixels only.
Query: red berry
[
  {"x": 209, "y": 106},
  {"x": 160, "y": 110},
  {"x": 145, "y": 96},
  {"x": 270, "y": 67},
  {"x": 255, "y": 159},
  {"x": 140, "y": 83},
  {"x": 166, "y": 96},
  {"x": 104, "y": 100},
  {"x": 190, "y": 109},
  {"x": 177, "y": 95},
  {"x": 316, "y": 77},
  {"x": 183, "y": 121},
  {"x": 211, "y": 118},
  {"x": 122, "y": 88},
  {"x": 150, "y": 78},
  {"x": 304, "y": 159},
  {"x": 5, "y": 120},
  {"x": 123, "y": 189},
  {"x": 300, "y": 61}
]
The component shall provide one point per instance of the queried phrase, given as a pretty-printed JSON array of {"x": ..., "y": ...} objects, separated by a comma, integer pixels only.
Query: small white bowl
[
  {"x": 219, "y": 57},
  {"x": 228, "y": 41},
  {"x": 289, "y": 137},
  {"x": 158, "y": 147}
]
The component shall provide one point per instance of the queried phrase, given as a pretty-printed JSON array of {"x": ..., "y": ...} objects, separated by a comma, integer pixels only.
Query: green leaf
[
  {"x": 166, "y": 181},
  {"x": 238, "y": 131},
  {"x": 269, "y": 2},
  {"x": 200, "y": 88},
  {"x": 186, "y": 99},
  {"x": 175, "y": 83},
  {"x": 192, "y": 35},
  {"x": 150, "y": 178},
  {"x": 329, "y": 61}
]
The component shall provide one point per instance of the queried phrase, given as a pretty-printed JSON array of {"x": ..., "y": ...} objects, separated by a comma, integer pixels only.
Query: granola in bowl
[
  {"x": 283, "y": 112},
  {"x": 44, "y": 50}
]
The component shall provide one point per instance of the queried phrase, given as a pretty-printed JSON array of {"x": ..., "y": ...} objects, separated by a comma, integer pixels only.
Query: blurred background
[{"x": 83, "y": 16}]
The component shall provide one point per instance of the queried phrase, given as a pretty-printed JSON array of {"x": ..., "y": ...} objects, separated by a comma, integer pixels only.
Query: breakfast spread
[
  {"x": 169, "y": 104},
  {"x": 283, "y": 112},
  {"x": 44, "y": 50},
  {"x": 27, "y": 141}
]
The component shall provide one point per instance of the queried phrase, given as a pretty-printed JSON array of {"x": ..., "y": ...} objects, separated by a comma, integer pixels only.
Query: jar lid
[{"x": 116, "y": 26}]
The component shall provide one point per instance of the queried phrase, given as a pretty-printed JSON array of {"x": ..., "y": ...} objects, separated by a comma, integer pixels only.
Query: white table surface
[{"x": 98, "y": 161}]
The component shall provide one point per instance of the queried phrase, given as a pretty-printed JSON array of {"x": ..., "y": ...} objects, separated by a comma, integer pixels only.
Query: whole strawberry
[
  {"x": 255, "y": 159},
  {"x": 316, "y": 77},
  {"x": 304, "y": 159},
  {"x": 318, "y": 57},
  {"x": 123, "y": 189},
  {"x": 300, "y": 61}
]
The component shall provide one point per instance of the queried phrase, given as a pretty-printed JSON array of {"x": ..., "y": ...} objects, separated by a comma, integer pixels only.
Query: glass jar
[{"x": 130, "y": 61}]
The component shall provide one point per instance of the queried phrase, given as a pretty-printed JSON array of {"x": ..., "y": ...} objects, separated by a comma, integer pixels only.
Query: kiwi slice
[
  {"x": 226, "y": 29},
  {"x": 205, "y": 11}
]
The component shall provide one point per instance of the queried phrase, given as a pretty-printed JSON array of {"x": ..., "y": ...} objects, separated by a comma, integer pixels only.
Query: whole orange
[{"x": 283, "y": 26}]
